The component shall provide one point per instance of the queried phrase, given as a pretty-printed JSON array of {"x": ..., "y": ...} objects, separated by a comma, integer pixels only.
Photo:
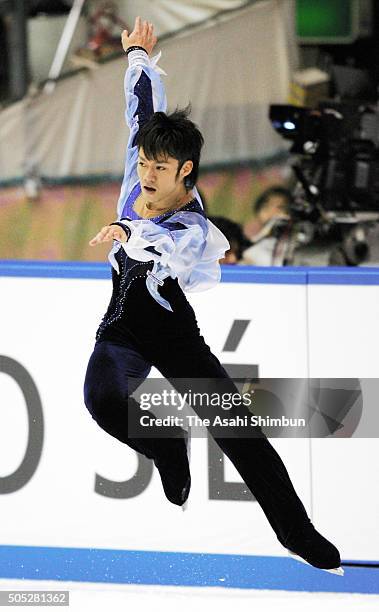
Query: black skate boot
[
  {"x": 309, "y": 546},
  {"x": 174, "y": 470}
]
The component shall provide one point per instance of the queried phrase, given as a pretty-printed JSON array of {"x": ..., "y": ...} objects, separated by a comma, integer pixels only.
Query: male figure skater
[{"x": 164, "y": 245}]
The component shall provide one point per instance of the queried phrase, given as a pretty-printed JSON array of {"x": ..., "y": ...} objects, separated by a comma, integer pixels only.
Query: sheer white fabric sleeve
[
  {"x": 189, "y": 254},
  {"x": 136, "y": 100},
  {"x": 138, "y": 109}
]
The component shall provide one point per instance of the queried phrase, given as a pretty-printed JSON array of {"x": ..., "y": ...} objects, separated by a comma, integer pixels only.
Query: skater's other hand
[
  {"x": 109, "y": 232},
  {"x": 142, "y": 35}
]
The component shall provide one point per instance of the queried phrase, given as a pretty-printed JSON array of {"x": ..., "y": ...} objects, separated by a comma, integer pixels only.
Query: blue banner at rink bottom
[
  {"x": 295, "y": 275},
  {"x": 182, "y": 569}
]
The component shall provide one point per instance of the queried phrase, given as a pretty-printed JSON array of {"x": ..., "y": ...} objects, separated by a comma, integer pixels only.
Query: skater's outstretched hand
[
  {"x": 142, "y": 35},
  {"x": 109, "y": 232}
]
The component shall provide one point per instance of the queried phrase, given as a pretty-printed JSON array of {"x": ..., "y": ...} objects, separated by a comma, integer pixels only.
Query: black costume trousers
[{"x": 106, "y": 396}]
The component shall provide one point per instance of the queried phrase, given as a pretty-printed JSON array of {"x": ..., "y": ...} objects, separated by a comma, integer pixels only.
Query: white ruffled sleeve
[
  {"x": 189, "y": 254},
  {"x": 144, "y": 95}
]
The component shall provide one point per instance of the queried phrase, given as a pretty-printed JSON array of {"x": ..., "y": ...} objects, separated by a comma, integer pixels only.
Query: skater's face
[{"x": 161, "y": 178}]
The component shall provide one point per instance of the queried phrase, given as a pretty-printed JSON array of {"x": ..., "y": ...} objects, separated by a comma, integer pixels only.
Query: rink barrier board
[
  {"x": 180, "y": 569},
  {"x": 230, "y": 274},
  {"x": 186, "y": 569}
]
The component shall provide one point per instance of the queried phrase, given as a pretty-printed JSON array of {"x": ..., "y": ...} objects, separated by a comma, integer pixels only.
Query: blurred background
[{"x": 284, "y": 91}]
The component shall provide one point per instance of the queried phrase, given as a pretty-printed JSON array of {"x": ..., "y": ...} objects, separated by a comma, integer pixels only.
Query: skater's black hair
[{"x": 173, "y": 135}]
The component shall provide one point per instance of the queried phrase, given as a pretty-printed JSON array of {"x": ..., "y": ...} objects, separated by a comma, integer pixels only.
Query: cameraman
[{"x": 268, "y": 230}]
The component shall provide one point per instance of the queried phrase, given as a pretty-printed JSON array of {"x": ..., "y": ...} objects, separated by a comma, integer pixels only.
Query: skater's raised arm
[{"x": 144, "y": 95}]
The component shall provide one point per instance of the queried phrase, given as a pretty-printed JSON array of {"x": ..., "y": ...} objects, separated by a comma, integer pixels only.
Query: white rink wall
[{"x": 51, "y": 451}]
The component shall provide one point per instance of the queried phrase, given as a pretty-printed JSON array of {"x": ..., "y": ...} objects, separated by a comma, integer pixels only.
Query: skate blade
[
  {"x": 337, "y": 570},
  {"x": 184, "y": 507}
]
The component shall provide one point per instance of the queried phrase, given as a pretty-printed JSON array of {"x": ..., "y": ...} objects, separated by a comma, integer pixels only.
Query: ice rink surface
[{"x": 115, "y": 598}]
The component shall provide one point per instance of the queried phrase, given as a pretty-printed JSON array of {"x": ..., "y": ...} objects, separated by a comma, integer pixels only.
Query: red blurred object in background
[{"x": 102, "y": 41}]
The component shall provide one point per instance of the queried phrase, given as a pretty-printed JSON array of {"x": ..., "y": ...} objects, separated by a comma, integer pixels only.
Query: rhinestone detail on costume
[
  {"x": 120, "y": 298},
  {"x": 118, "y": 310}
]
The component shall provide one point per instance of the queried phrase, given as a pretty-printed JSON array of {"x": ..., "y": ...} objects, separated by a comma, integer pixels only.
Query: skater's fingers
[
  {"x": 152, "y": 34},
  {"x": 140, "y": 37},
  {"x": 151, "y": 40},
  {"x": 125, "y": 40},
  {"x": 95, "y": 240},
  {"x": 109, "y": 233},
  {"x": 136, "y": 28},
  {"x": 138, "y": 25},
  {"x": 106, "y": 233},
  {"x": 98, "y": 238}
]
